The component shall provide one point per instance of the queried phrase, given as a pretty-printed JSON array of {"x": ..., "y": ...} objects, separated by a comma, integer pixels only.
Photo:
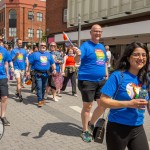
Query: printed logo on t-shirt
[
  {"x": 100, "y": 57},
  {"x": 1, "y": 58},
  {"x": 43, "y": 60},
  {"x": 20, "y": 57},
  {"x": 133, "y": 90}
]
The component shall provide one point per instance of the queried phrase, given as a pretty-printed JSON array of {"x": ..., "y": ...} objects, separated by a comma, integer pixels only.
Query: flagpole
[{"x": 79, "y": 30}]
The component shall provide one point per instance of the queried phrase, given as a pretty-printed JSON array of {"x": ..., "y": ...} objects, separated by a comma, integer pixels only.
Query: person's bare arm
[{"x": 107, "y": 102}]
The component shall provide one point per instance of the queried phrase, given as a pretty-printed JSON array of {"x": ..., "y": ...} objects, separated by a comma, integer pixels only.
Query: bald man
[{"x": 92, "y": 74}]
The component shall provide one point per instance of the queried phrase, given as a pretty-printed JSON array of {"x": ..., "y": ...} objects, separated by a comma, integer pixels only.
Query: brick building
[
  {"x": 56, "y": 16},
  {"x": 123, "y": 21},
  {"x": 23, "y": 19}
]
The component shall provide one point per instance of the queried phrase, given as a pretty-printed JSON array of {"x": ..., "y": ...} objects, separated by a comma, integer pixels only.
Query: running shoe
[{"x": 86, "y": 136}]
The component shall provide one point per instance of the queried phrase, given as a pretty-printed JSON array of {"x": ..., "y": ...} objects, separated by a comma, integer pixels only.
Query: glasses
[
  {"x": 43, "y": 45},
  {"x": 52, "y": 45},
  {"x": 136, "y": 55},
  {"x": 97, "y": 31}
]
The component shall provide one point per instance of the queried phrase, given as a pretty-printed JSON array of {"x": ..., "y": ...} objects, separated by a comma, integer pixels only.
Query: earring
[{"x": 124, "y": 63}]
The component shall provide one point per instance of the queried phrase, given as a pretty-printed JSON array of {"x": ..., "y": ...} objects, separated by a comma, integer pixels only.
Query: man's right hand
[{"x": 77, "y": 51}]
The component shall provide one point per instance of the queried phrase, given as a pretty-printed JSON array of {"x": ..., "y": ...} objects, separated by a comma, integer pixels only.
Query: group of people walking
[{"x": 119, "y": 92}]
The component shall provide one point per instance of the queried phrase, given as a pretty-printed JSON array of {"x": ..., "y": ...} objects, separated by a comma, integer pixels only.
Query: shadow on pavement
[
  {"x": 69, "y": 129},
  {"x": 26, "y": 100}
]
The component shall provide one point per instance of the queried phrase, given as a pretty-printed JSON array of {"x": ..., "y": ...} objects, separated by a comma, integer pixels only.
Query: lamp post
[
  {"x": 79, "y": 29},
  {"x": 4, "y": 34},
  {"x": 39, "y": 36},
  {"x": 34, "y": 6}
]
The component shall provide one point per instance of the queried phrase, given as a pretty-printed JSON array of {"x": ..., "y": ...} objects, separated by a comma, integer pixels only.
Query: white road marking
[{"x": 78, "y": 109}]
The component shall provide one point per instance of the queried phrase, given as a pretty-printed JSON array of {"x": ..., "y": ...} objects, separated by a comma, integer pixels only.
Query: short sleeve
[{"x": 111, "y": 85}]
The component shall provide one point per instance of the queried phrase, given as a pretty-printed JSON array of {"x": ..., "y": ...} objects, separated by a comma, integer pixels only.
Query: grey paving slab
[{"x": 55, "y": 126}]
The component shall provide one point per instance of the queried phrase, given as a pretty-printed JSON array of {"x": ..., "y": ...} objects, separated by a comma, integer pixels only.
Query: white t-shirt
[{"x": 109, "y": 57}]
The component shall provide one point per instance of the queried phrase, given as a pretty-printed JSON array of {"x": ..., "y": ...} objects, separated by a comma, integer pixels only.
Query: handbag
[{"x": 99, "y": 129}]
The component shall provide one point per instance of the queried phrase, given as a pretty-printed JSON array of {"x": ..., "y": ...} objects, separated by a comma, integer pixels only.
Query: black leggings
[{"x": 119, "y": 136}]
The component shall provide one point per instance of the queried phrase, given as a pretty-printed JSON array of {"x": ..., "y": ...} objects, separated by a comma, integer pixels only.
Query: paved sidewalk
[{"x": 55, "y": 126}]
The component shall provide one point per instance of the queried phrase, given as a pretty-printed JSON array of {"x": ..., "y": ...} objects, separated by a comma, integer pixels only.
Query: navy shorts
[
  {"x": 90, "y": 90},
  {"x": 3, "y": 87}
]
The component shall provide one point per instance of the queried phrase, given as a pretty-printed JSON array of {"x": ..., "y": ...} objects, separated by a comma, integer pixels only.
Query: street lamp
[
  {"x": 79, "y": 29},
  {"x": 39, "y": 36},
  {"x": 4, "y": 34},
  {"x": 34, "y": 6}
]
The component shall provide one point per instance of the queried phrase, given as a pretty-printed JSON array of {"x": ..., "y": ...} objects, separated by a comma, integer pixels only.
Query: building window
[
  {"x": 12, "y": 19},
  {"x": 65, "y": 15},
  {"x": 12, "y": 32},
  {"x": 30, "y": 33},
  {"x": 39, "y": 16},
  {"x": 30, "y": 15},
  {"x": 12, "y": 14},
  {"x": 39, "y": 33}
]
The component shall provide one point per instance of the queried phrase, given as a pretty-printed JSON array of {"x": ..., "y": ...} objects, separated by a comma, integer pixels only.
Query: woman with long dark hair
[{"x": 120, "y": 94}]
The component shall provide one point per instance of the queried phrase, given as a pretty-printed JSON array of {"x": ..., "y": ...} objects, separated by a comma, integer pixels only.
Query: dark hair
[
  {"x": 68, "y": 49},
  {"x": 124, "y": 64},
  {"x": 18, "y": 40}
]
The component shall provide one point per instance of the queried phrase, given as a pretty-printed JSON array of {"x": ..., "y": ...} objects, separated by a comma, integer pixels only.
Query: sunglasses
[{"x": 43, "y": 45}]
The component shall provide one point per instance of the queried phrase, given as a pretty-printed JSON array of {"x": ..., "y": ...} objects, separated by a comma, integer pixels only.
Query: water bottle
[{"x": 142, "y": 95}]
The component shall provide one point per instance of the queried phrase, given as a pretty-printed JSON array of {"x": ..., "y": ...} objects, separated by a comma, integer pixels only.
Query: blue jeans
[{"x": 41, "y": 82}]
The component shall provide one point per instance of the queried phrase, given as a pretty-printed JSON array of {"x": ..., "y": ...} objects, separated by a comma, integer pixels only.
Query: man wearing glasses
[
  {"x": 91, "y": 76},
  {"x": 41, "y": 61}
]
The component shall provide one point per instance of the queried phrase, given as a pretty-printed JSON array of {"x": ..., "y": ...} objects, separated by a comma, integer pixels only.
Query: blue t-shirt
[
  {"x": 41, "y": 61},
  {"x": 4, "y": 57},
  {"x": 20, "y": 62},
  {"x": 93, "y": 62},
  {"x": 29, "y": 56},
  {"x": 128, "y": 87}
]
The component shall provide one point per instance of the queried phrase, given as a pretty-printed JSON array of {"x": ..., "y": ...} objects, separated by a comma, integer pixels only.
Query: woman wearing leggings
[{"x": 121, "y": 95}]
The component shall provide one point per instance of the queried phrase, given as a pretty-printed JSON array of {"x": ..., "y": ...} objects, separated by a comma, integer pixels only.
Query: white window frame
[
  {"x": 39, "y": 16},
  {"x": 65, "y": 15},
  {"x": 12, "y": 32},
  {"x": 30, "y": 32},
  {"x": 39, "y": 33}
]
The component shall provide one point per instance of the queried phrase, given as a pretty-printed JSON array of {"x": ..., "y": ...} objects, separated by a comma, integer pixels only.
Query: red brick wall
[{"x": 54, "y": 16}]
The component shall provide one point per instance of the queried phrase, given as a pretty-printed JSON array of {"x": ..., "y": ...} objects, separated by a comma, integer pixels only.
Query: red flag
[{"x": 66, "y": 38}]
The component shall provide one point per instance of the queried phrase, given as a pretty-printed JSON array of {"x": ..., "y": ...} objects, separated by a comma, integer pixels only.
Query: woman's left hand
[{"x": 138, "y": 103}]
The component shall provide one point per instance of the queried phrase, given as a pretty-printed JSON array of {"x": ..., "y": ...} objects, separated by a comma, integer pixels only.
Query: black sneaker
[
  {"x": 91, "y": 128},
  {"x": 20, "y": 98},
  {"x": 17, "y": 94},
  {"x": 5, "y": 121}
]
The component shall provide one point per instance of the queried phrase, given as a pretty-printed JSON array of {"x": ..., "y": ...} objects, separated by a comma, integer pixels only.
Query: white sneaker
[
  {"x": 55, "y": 99},
  {"x": 45, "y": 96},
  {"x": 59, "y": 95},
  {"x": 74, "y": 95}
]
